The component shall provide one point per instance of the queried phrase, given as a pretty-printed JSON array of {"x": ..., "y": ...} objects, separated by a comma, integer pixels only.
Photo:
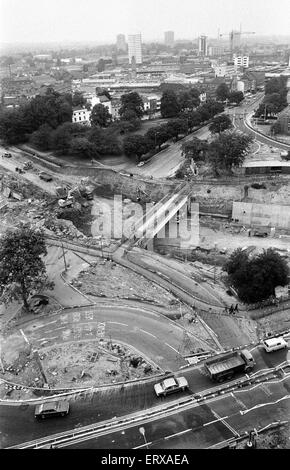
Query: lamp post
[{"x": 142, "y": 431}]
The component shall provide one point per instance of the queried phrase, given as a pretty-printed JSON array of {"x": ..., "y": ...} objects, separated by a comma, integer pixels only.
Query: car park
[
  {"x": 51, "y": 409},
  {"x": 274, "y": 344},
  {"x": 170, "y": 385}
]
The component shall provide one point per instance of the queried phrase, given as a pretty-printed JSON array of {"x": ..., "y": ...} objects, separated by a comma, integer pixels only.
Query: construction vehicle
[
  {"x": 68, "y": 202},
  {"x": 27, "y": 166},
  {"x": 61, "y": 192},
  {"x": 224, "y": 366}
]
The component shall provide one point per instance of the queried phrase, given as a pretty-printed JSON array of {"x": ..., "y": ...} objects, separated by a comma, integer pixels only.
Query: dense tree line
[
  {"x": 255, "y": 278},
  {"x": 45, "y": 121},
  {"x": 223, "y": 93},
  {"x": 275, "y": 99}
]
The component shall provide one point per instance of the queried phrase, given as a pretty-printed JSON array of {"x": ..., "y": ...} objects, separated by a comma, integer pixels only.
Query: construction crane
[{"x": 235, "y": 34}]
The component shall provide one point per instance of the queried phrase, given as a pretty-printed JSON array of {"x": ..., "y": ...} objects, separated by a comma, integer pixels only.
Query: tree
[
  {"x": 61, "y": 138},
  {"x": 192, "y": 118},
  {"x": 41, "y": 138},
  {"x": 104, "y": 141},
  {"x": 81, "y": 146},
  {"x": 195, "y": 148},
  {"x": 228, "y": 150},
  {"x": 220, "y": 124},
  {"x": 132, "y": 102},
  {"x": 255, "y": 279},
  {"x": 189, "y": 100},
  {"x": 52, "y": 108},
  {"x": 78, "y": 99},
  {"x": 222, "y": 92},
  {"x": 157, "y": 135},
  {"x": 136, "y": 145},
  {"x": 236, "y": 97},
  {"x": 22, "y": 270},
  {"x": 13, "y": 126},
  {"x": 169, "y": 106},
  {"x": 176, "y": 127},
  {"x": 100, "y": 116}
]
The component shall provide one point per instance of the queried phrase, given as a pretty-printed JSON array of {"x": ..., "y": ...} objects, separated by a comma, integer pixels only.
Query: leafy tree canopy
[
  {"x": 228, "y": 150},
  {"x": 169, "y": 106},
  {"x": 100, "y": 116},
  {"x": 22, "y": 270},
  {"x": 220, "y": 124},
  {"x": 132, "y": 102},
  {"x": 255, "y": 279}
]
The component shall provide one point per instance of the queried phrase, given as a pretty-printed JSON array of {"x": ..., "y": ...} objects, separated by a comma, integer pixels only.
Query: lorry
[{"x": 224, "y": 366}]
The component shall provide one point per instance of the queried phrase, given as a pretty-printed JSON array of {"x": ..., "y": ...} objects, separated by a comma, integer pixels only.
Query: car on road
[
  {"x": 7, "y": 155},
  {"x": 170, "y": 385},
  {"x": 274, "y": 344},
  {"x": 51, "y": 409},
  {"x": 45, "y": 176},
  {"x": 141, "y": 164}
]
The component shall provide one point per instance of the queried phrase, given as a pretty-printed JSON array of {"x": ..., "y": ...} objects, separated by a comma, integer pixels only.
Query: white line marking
[
  {"x": 117, "y": 323},
  {"x": 225, "y": 423},
  {"x": 265, "y": 404},
  {"x": 178, "y": 433},
  {"x": 143, "y": 445},
  {"x": 24, "y": 336},
  {"x": 48, "y": 338},
  {"x": 147, "y": 333},
  {"x": 172, "y": 348},
  {"x": 214, "y": 421}
]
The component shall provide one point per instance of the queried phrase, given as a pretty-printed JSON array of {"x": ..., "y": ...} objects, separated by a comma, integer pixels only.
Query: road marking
[
  {"x": 225, "y": 423},
  {"x": 265, "y": 404},
  {"x": 48, "y": 338},
  {"x": 178, "y": 433},
  {"x": 147, "y": 332},
  {"x": 117, "y": 323},
  {"x": 215, "y": 421},
  {"x": 143, "y": 445},
  {"x": 266, "y": 389},
  {"x": 23, "y": 334},
  {"x": 240, "y": 402},
  {"x": 172, "y": 348}
]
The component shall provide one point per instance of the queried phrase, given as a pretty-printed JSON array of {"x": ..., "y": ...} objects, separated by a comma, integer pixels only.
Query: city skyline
[{"x": 69, "y": 21}]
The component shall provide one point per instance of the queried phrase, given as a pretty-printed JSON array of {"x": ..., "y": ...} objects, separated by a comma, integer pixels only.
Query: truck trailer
[{"x": 224, "y": 366}]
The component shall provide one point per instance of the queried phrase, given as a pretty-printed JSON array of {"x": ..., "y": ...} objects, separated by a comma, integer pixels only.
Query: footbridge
[{"x": 158, "y": 215}]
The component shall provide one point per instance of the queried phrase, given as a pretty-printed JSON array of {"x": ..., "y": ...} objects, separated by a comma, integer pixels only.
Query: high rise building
[
  {"x": 202, "y": 45},
  {"x": 135, "y": 48},
  {"x": 169, "y": 38},
  {"x": 121, "y": 43},
  {"x": 241, "y": 61}
]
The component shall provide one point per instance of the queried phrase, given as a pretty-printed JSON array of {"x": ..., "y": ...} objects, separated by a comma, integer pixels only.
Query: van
[{"x": 274, "y": 344}]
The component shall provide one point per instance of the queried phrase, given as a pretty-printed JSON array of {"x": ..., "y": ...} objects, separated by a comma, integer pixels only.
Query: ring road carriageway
[
  {"x": 106, "y": 403},
  {"x": 220, "y": 410}
]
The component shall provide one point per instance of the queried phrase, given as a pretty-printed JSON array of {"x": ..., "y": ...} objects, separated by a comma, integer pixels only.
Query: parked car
[
  {"x": 141, "y": 164},
  {"x": 274, "y": 344},
  {"x": 51, "y": 409},
  {"x": 7, "y": 155},
  {"x": 45, "y": 176},
  {"x": 170, "y": 385}
]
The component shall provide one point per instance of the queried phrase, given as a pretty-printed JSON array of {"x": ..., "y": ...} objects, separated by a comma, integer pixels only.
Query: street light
[{"x": 142, "y": 431}]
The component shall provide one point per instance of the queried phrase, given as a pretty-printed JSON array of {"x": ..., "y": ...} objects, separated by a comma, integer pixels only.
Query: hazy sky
[{"x": 100, "y": 20}]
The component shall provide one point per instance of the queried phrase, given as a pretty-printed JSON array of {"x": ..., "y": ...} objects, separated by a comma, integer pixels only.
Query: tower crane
[{"x": 233, "y": 34}]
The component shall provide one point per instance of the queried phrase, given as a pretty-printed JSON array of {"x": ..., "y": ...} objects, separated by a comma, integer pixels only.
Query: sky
[{"x": 39, "y": 21}]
